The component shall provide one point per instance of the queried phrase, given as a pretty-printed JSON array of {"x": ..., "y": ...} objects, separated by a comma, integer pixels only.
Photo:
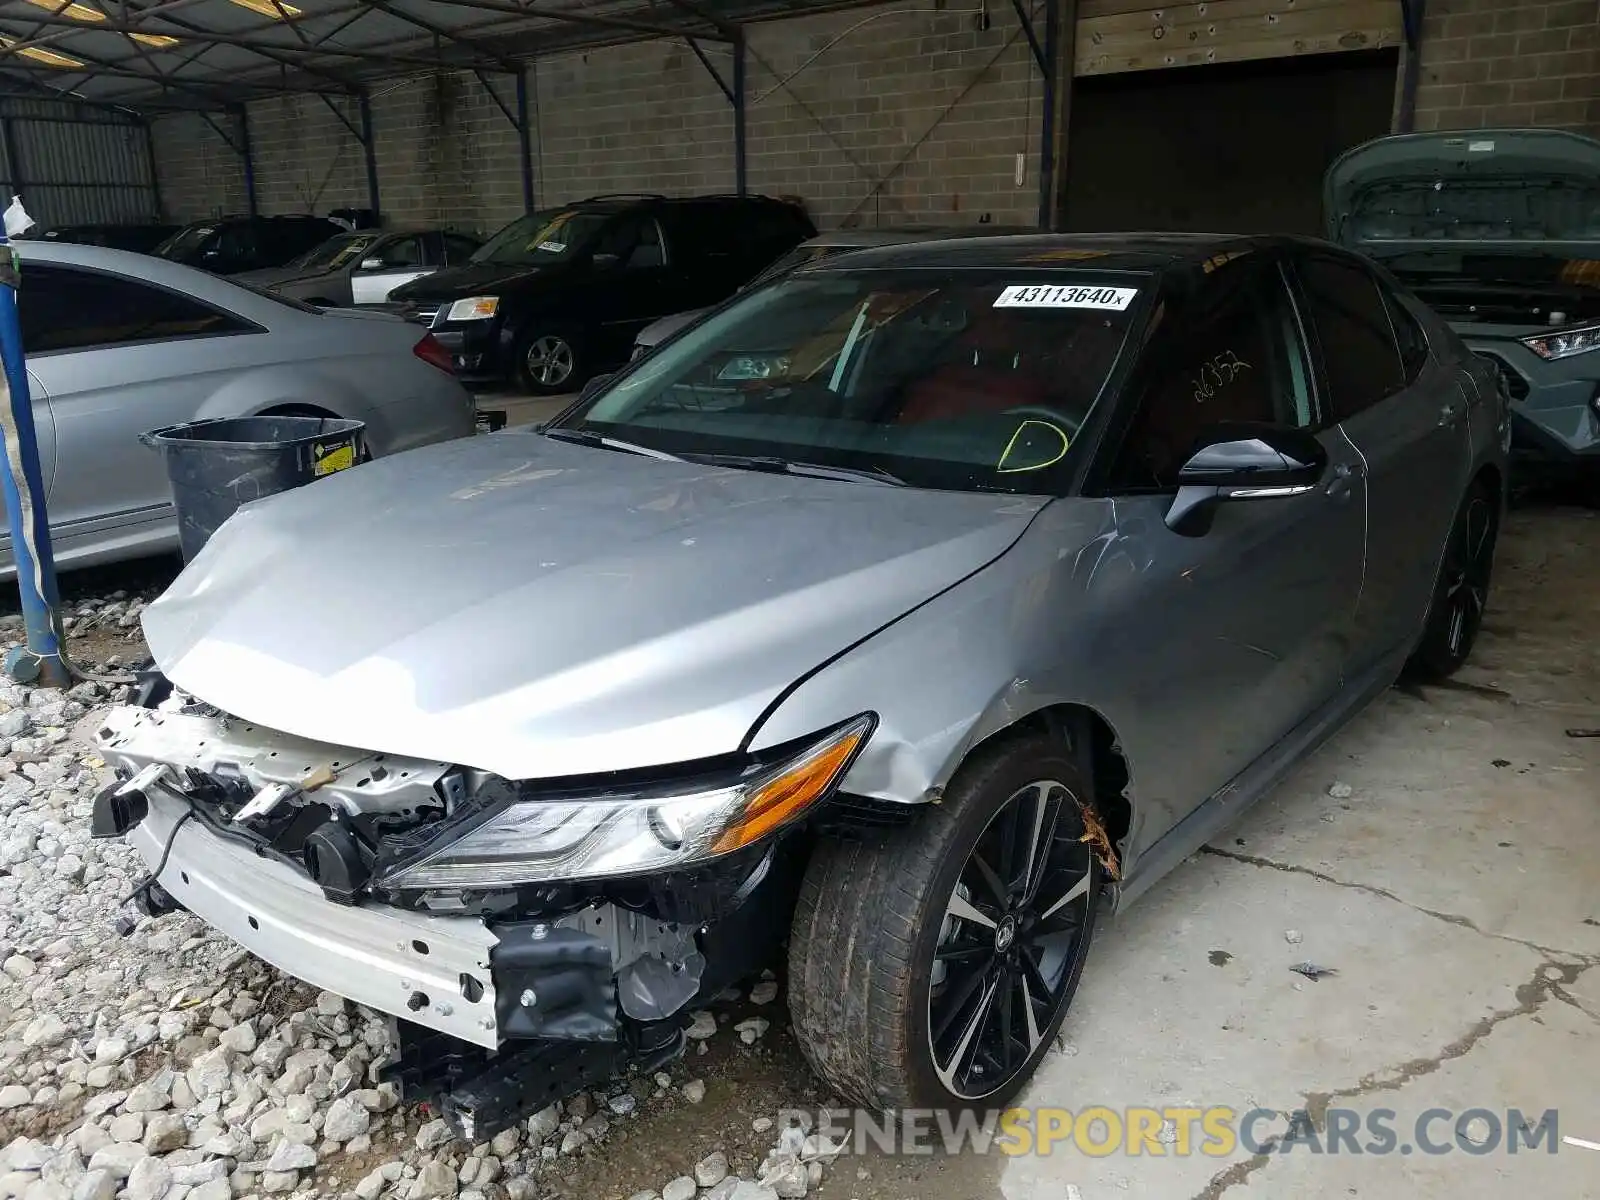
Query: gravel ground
[{"x": 156, "y": 1060}]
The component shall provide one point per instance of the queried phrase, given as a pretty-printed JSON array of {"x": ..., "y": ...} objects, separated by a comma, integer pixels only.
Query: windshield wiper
[
  {"x": 784, "y": 466},
  {"x": 588, "y": 437}
]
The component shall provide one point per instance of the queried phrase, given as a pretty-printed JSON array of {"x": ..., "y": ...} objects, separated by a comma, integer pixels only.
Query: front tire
[
  {"x": 1462, "y": 590},
  {"x": 931, "y": 966},
  {"x": 549, "y": 361}
]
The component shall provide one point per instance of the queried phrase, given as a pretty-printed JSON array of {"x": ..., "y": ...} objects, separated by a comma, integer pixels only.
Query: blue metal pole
[{"x": 39, "y": 660}]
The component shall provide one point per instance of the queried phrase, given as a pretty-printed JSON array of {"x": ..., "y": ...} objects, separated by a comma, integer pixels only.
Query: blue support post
[{"x": 39, "y": 660}]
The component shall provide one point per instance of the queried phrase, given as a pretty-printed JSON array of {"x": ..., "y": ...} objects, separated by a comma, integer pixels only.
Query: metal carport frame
[
  {"x": 213, "y": 57},
  {"x": 147, "y": 57}
]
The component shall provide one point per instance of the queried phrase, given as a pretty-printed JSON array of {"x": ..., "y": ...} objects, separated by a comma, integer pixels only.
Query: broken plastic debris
[
  {"x": 1341, "y": 791},
  {"x": 1312, "y": 971},
  {"x": 1583, "y": 733}
]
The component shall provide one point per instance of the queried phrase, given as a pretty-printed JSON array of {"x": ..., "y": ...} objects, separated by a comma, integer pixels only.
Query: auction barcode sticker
[{"x": 1066, "y": 296}]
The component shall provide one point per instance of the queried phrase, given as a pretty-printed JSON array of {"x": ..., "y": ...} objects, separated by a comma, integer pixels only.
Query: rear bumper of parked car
[{"x": 1555, "y": 406}]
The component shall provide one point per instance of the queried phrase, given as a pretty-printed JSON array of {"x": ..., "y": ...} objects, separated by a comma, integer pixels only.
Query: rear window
[{"x": 962, "y": 380}]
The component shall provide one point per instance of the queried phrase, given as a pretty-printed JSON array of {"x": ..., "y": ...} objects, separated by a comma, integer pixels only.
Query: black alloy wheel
[
  {"x": 1013, "y": 941},
  {"x": 1462, "y": 591},
  {"x": 931, "y": 964}
]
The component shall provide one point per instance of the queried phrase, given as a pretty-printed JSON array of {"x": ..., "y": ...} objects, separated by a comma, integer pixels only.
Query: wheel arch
[
  {"x": 298, "y": 410},
  {"x": 1093, "y": 741},
  {"x": 1492, "y": 477}
]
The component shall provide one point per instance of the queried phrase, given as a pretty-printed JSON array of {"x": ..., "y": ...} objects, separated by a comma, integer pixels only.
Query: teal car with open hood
[{"x": 1499, "y": 231}]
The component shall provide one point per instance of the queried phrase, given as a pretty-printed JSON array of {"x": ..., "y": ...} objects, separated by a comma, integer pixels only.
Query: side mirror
[
  {"x": 595, "y": 383},
  {"x": 1244, "y": 462},
  {"x": 372, "y": 264}
]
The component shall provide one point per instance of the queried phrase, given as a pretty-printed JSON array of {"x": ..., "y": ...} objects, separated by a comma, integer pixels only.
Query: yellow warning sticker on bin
[{"x": 336, "y": 459}]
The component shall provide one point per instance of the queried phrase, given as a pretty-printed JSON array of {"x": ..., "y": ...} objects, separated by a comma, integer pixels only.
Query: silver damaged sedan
[{"x": 916, "y": 609}]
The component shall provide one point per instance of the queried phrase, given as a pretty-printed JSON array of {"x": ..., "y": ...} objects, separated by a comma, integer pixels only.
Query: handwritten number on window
[{"x": 1216, "y": 373}]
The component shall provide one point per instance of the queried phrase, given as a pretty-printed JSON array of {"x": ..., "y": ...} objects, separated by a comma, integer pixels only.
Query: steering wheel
[{"x": 1051, "y": 416}]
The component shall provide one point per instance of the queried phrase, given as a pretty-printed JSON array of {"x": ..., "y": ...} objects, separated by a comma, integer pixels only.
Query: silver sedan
[
  {"x": 914, "y": 610},
  {"x": 121, "y": 343}
]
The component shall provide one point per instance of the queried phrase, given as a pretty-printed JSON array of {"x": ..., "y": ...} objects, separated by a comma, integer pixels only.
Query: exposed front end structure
[{"x": 509, "y": 995}]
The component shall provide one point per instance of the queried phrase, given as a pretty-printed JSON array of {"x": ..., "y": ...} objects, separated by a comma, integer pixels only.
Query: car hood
[
  {"x": 474, "y": 279},
  {"x": 540, "y": 609},
  {"x": 658, "y": 331},
  {"x": 1523, "y": 188}
]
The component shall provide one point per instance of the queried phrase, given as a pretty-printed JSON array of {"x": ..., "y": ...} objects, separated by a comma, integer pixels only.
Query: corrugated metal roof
[{"x": 153, "y": 54}]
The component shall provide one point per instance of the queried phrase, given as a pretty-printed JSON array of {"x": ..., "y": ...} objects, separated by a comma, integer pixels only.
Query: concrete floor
[
  {"x": 524, "y": 410},
  {"x": 1456, "y": 891}
]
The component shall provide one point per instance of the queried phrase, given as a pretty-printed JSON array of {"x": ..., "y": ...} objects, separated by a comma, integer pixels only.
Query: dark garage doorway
[{"x": 1239, "y": 147}]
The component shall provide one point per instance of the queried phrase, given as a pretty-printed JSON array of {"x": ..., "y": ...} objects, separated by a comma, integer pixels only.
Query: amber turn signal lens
[{"x": 790, "y": 792}]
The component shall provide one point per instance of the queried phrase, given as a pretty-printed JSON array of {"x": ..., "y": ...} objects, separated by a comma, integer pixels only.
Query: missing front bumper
[{"x": 423, "y": 968}]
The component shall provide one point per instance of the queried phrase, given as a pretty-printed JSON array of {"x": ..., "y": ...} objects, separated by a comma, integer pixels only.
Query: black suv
[
  {"x": 558, "y": 295},
  {"x": 229, "y": 245}
]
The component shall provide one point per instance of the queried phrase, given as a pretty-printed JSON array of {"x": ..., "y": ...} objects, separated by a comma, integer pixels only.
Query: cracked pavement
[{"x": 1456, "y": 891}]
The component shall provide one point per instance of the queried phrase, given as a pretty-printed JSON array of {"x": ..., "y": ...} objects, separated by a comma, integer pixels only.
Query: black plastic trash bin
[{"x": 216, "y": 465}]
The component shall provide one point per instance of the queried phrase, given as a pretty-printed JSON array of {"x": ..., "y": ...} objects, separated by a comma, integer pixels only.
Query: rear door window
[
  {"x": 1360, "y": 361},
  {"x": 65, "y": 308}
]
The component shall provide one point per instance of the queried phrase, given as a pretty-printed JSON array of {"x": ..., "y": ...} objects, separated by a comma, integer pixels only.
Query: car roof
[
  {"x": 1098, "y": 251},
  {"x": 620, "y": 201},
  {"x": 893, "y": 235}
]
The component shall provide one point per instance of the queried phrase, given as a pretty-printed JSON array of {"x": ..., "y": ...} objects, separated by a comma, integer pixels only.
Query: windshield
[
  {"x": 544, "y": 237},
  {"x": 961, "y": 380},
  {"x": 186, "y": 243},
  {"x": 335, "y": 252}
]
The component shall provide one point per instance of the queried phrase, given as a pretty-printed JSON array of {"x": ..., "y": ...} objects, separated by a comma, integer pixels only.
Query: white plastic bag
[{"x": 18, "y": 222}]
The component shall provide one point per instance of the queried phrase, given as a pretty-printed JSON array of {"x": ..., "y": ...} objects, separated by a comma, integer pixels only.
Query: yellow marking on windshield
[{"x": 1001, "y": 468}]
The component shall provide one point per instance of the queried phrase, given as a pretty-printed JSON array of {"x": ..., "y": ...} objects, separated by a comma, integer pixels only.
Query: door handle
[
  {"x": 1341, "y": 486},
  {"x": 1448, "y": 414}
]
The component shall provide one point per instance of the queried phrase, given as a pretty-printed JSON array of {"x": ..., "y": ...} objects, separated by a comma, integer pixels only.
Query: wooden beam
[{"x": 1232, "y": 31}]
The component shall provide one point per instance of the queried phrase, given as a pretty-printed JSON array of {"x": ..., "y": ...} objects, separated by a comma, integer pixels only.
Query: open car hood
[
  {"x": 1537, "y": 190},
  {"x": 539, "y": 609}
]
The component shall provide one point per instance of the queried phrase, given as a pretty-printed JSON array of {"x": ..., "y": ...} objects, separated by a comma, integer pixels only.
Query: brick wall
[
  {"x": 899, "y": 117},
  {"x": 872, "y": 116},
  {"x": 1510, "y": 62},
  {"x": 199, "y": 174}
]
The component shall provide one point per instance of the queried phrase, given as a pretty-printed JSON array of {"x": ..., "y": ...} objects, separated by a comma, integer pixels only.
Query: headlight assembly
[
  {"x": 1564, "y": 343},
  {"x": 556, "y": 839},
  {"x": 473, "y": 308}
]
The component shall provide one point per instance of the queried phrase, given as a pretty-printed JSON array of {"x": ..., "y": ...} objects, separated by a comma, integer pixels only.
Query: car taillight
[{"x": 430, "y": 351}]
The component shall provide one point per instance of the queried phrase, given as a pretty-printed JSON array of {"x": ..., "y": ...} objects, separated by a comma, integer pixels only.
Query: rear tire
[
  {"x": 1461, "y": 592},
  {"x": 924, "y": 967}
]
